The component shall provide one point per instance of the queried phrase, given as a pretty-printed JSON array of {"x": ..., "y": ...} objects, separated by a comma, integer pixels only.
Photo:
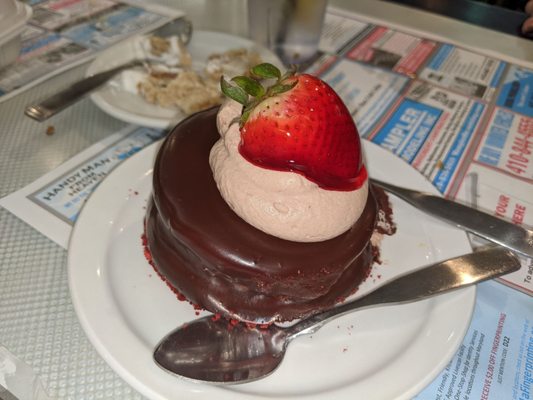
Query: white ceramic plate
[
  {"x": 119, "y": 101},
  {"x": 385, "y": 353}
]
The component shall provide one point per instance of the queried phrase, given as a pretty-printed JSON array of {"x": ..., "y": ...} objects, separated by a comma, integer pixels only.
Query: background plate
[{"x": 115, "y": 100}]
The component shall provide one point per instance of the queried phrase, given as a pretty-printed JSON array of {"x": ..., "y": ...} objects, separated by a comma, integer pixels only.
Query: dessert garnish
[{"x": 297, "y": 124}]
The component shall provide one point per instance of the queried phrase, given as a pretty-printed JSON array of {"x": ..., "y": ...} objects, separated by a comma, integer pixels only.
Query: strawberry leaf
[
  {"x": 233, "y": 92},
  {"x": 244, "y": 117},
  {"x": 266, "y": 71},
  {"x": 281, "y": 88},
  {"x": 290, "y": 72},
  {"x": 249, "y": 85}
]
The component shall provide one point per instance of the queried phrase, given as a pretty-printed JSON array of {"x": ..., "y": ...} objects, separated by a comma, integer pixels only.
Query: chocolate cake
[{"x": 219, "y": 262}]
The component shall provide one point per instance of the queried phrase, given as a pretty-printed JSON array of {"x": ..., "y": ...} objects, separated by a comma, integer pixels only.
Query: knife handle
[
  {"x": 61, "y": 100},
  {"x": 494, "y": 229}
]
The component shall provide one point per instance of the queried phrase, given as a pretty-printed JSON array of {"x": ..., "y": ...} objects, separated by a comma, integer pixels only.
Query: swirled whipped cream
[{"x": 282, "y": 204}]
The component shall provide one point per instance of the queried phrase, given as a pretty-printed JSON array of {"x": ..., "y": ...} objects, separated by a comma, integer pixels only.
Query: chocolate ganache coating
[{"x": 220, "y": 262}]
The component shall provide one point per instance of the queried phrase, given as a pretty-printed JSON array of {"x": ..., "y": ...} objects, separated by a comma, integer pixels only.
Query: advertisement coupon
[
  {"x": 367, "y": 92},
  {"x": 431, "y": 129},
  {"x": 495, "y": 360},
  {"x": 464, "y": 71},
  {"x": 393, "y": 50},
  {"x": 52, "y": 203}
]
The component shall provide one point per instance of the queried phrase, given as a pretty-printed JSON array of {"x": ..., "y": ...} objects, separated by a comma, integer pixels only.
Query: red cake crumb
[
  {"x": 376, "y": 255},
  {"x": 148, "y": 256},
  {"x": 341, "y": 299}
]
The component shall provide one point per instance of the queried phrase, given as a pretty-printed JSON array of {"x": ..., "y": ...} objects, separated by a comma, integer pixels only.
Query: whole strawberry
[{"x": 298, "y": 124}]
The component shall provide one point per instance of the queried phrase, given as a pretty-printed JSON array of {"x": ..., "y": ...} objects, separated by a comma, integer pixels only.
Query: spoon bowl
[{"x": 215, "y": 350}]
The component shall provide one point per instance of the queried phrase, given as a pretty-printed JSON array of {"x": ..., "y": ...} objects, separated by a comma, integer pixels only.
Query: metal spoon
[{"x": 208, "y": 350}]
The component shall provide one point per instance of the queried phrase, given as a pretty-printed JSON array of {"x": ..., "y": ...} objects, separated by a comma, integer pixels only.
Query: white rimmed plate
[
  {"x": 118, "y": 99},
  {"x": 387, "y": 353}
]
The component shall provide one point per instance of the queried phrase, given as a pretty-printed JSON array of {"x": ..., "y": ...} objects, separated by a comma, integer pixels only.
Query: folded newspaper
[{"x": 63, "y": 34}]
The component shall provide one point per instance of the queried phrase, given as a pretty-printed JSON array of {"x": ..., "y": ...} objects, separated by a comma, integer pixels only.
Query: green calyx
[{"x": 249, "y": 91}]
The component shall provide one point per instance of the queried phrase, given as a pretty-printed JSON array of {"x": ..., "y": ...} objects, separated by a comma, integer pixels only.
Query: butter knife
[
  {"x": 63, "y": 99},
  {"x": 489, "y": 227},
  {"x": 6, "y": 394}
]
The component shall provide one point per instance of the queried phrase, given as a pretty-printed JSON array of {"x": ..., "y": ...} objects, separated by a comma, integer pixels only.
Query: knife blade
[
  {"x": 487, "y": 226},
  {"x": 5, "y": 394},
  {"x": 75, "y": 92}
]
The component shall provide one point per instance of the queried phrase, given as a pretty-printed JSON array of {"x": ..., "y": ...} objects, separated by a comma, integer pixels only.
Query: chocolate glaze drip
[{"x": 223, "y": 264}]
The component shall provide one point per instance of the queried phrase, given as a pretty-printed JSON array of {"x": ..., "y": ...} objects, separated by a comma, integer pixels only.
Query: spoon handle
[
  {"x": 489, "y": 227},
  {"x": 437, "y": 278}
]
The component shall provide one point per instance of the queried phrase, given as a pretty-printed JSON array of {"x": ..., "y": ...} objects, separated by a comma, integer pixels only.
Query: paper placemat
[{"x": 52, "y": 203}]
